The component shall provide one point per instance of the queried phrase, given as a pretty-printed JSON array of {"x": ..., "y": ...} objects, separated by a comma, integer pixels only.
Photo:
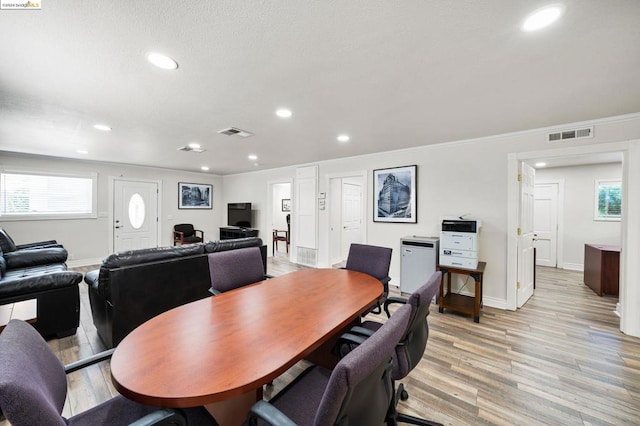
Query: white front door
[
  {"x": 351, "y": 216},
  {"x": 545, "y": 224},
  {"x": 135, "y": 215},
  {"x": 525, "y": 235}
]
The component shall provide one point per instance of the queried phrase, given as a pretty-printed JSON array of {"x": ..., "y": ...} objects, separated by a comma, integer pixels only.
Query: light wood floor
[{"x": 560, "y": 360}]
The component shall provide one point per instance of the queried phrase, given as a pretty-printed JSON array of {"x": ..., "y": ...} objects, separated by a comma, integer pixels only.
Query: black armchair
[
  {"x": 412, "y": 345},
  {"x": 372, "y": 260},
  {"x": 33, "y": 388},
  {"x": 185, "y": 233},
  {"x": 358, "y": 391},
  {"x": 235, "y": 268}
]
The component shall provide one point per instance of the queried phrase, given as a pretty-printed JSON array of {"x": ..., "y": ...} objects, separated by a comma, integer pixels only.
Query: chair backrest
[
  {"x": 372, "y": 260},
  {"x": 360, "y": 389},
  {"x": 185, "y": 228},
  {"x": 33, "y": 384},
  {"x": 235, "y": 268},
  {"x": 412, "y": 345}
]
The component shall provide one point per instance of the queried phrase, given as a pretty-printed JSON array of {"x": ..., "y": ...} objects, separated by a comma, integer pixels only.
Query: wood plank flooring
[{"x": 560, "y": 360}]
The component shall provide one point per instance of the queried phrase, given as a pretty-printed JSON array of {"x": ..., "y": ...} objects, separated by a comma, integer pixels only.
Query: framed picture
[
  {"x": 195, "y": 196},
  {"x": 286, "y": 204},
  {"x": 394, "y": 195}
]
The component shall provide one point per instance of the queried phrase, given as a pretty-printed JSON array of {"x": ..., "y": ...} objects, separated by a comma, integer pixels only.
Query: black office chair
[
  {"x": 185, "y": 233},
  {"x": 33, "y": 388},
  {"x": 235, "y": 268},
  {"x": 358, "y": 391},
  {"x": 412, "y": 345},
  {"x": 372, "y": 260}
]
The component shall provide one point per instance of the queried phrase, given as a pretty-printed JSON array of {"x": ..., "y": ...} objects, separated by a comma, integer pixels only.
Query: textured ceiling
[{"x": 391, "y": 74}]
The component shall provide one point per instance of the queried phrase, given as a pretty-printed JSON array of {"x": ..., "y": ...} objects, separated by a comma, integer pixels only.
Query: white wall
[
  {"x": 453, "y": 179},
  {"x": 87, "y": 240},
  {"x": 579, "y": 226}
]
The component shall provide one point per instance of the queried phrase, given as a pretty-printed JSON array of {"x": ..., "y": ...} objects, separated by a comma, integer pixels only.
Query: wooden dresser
[{"x": 602, "y": 268}]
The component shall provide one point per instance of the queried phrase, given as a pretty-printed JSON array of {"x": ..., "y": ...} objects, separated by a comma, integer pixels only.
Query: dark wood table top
[{"x": 224, "y": 346}]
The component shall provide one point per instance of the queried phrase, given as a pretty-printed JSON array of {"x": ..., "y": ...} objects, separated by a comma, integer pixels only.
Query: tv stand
[{"x": 232, "y": 232}]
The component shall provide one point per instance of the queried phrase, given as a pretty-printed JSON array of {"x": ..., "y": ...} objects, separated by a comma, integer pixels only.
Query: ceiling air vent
[
  {"x": 586, "y": 132},
  {"x": 187, "y": 148},
  {"x": 234, "y": 131}
]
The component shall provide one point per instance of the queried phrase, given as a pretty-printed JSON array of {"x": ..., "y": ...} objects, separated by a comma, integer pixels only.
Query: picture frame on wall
[
  {"x": 286, "y": 204},
  {"x": 394, "y": 195},
  {"x": 195, "y": 196}
]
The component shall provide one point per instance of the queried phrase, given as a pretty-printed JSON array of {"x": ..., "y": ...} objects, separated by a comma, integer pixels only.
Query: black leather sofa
[
  {"x": 132, "y": 287},
  {"x": 38, "y": 271}
]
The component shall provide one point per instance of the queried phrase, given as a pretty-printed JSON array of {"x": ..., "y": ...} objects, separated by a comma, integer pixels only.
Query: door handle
[{"x": 118, "y": 227}]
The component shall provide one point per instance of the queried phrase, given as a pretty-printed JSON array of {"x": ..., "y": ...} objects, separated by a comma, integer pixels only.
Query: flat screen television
[{"x": 239, "y": 214}]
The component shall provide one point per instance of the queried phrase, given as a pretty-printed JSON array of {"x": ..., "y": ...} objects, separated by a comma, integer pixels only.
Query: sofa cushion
[
  {"x": 34, "y": 257},
  {"x": 6, "y": 242},
  {"x": 32, "y": 280},
  {"x": 136, "y": 257},
  {"x": 3, "y": 265}
]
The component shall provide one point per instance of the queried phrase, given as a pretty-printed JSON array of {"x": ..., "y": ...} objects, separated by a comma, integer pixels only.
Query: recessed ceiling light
[
  {"x": 102, "y": 127},
  {"x": 82, "y": 151},
  {"x": 542, "y": 18},
  {"x": 541, "y": 164},
  {"x": 284, "y": 113},
  {"x": 204, "y": 168},
  {"x": 252, "y": 157},
  {"x": 162, "y": 61},
  {"x": 343, "y": 138},
  {"x": 194, "y": 145}
]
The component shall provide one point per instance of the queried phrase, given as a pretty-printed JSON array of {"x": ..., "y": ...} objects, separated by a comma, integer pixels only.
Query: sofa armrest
[
  {"x": 35, "y": 257},
  {"x": 40, "y": 244}
]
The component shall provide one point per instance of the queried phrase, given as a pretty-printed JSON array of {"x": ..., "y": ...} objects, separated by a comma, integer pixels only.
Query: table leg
[
  {"x": 233, "y": 412},
  {"x": 441, "y": 295},
  {"x": 476, "y": 301}
]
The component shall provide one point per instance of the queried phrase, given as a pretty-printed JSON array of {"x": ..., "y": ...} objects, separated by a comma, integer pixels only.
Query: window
[
  {"x": 32, "y": 195},
  {"x": 608, "y": 200}
]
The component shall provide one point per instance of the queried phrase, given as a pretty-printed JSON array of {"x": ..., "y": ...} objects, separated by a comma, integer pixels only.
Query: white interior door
[
  {"x": 525, "y": 235},
  {"x": 545, "y": 224},
  {"x": 135, "y": 215},
  {"x": 351, "y": 216}
]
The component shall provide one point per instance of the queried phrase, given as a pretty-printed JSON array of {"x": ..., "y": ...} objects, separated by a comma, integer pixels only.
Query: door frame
[
  {"x": 559, "y": 219},
  {"x": 629, "y": 298},
  {"x": 269, "y": 216},
  {"x": 112, "y": 182}
]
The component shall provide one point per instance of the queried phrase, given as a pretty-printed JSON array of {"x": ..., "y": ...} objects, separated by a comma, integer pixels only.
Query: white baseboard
[
  {"x": 83, "y": 262},
  {"x": 573, "y": 266}
]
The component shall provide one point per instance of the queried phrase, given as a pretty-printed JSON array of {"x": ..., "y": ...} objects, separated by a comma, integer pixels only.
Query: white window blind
[
  {"x": 28, "y": 195},
  {"x": 608, "y": 200}
]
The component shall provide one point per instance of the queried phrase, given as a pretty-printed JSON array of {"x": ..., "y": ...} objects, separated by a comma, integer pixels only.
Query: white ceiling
[{"x": 391, "y": 74}]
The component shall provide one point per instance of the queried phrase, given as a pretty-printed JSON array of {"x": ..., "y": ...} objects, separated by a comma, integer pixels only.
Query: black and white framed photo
[
  {"x": 195, "y": 196},
  {"x": 394, "y": 196},
  {"x": 286, "y": 204}
]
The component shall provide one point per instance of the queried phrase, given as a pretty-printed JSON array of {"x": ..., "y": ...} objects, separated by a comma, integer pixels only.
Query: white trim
[
  {"x": 579, "y": 267},
  {"x": 513, "y": 206}
]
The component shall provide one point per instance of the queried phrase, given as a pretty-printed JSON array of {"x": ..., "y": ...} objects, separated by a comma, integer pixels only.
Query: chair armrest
[
  {"x": 164, "y": 416},
  {"x": 347, "y": 342},
  {"x": 93, "y": 359},
  {"x": 195, "y": 231},
  {"x": 390, "y": 301},
  {"x": 269, "y": 414},
  {"x": 268, "y": 276},
  {"x": 361, "y": 331},
  {"x": 214, "y": 292}
]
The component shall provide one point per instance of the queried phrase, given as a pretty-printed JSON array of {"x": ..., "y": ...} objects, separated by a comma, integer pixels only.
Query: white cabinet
[{"x": 418, "y": 262}]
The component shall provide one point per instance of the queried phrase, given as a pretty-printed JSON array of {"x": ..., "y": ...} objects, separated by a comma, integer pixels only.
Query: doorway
[
  {"x": 546, "y": 222},
  {"x": 280, "y": 219},
  {"x": 134, "y": 214}
]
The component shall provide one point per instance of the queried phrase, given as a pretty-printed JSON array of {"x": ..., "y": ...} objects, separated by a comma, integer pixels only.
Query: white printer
[{"x": 459, "y": 243}]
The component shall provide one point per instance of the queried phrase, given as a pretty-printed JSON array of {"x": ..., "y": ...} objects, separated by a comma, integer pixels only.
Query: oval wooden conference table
[{"x": 220, "y": 351}]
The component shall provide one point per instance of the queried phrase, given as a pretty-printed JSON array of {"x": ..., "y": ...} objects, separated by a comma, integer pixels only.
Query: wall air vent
[
  {"x": 187, "y": 148},
  {"x": 234, "y": 131},
  {"x": 586, "y": 132}
]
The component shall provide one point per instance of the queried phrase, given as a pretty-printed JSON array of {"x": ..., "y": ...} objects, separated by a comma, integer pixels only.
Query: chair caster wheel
[{"x": 404, "y": 395}]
